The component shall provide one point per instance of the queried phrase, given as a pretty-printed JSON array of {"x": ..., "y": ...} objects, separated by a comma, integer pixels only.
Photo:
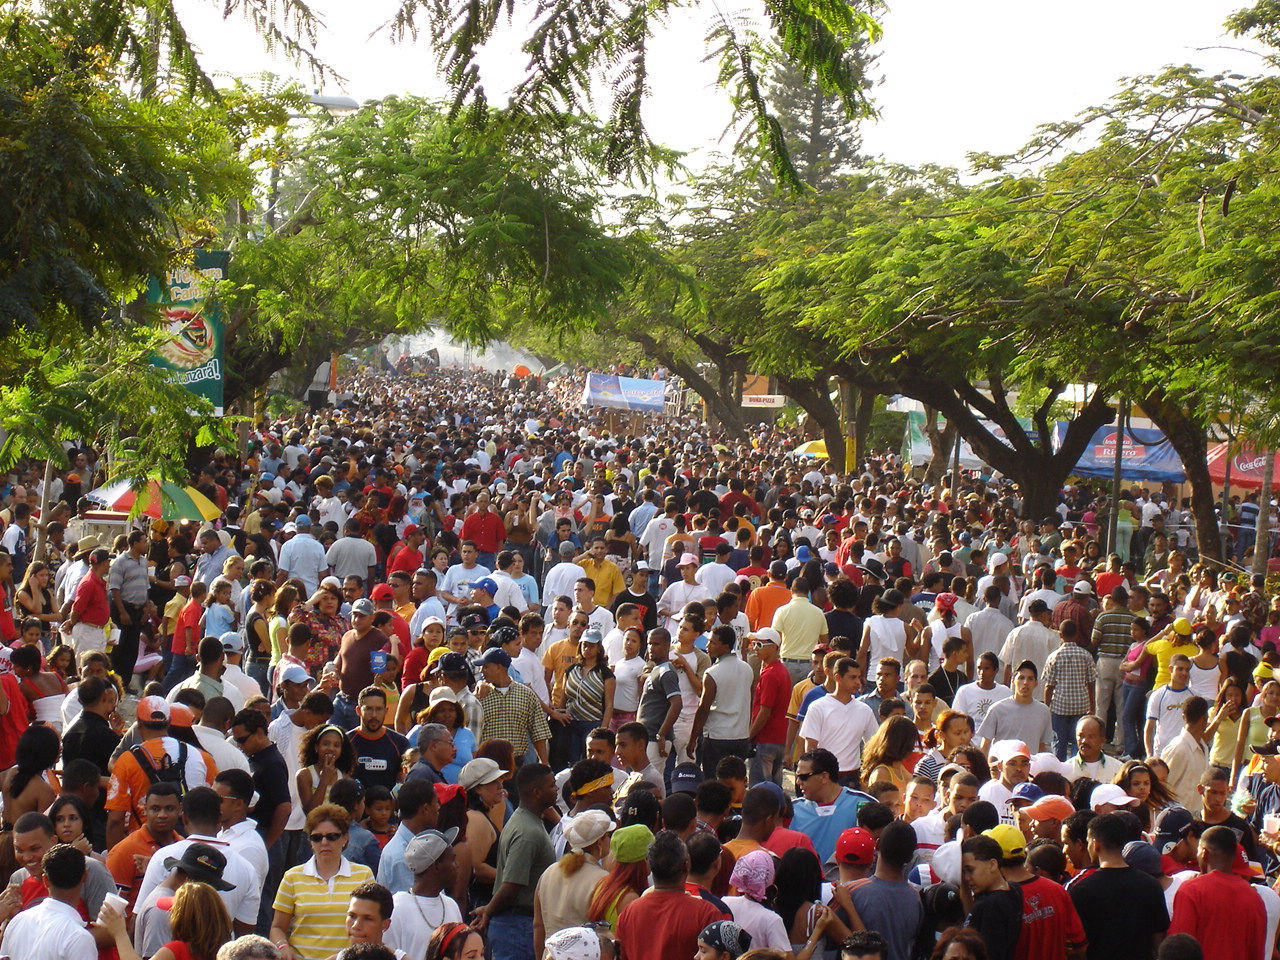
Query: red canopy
[{"x": 1246, "y": 467}]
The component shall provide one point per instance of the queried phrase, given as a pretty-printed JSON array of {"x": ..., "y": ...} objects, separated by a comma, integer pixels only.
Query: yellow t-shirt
[
  {"x": 1165, "y": 650},
  {"x": 319, "y": 907}
]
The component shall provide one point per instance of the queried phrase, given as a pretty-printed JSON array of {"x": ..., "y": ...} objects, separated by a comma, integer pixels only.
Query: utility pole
[
  {"x": 955, "y": 468},
  {"x": 1262, "y": 531}
]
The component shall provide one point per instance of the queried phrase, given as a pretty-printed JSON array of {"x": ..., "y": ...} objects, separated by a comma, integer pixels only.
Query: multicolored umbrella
[
  {"x": 159, "y": 499},
  {"x": 813, "y": 448}
]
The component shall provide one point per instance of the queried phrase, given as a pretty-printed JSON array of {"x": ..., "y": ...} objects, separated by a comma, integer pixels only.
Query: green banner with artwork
[{"x": 179, "y": 304}]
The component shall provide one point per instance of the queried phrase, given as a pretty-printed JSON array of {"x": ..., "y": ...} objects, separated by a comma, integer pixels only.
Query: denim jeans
[
  {"x": 1064, "y": 733},
  {"x": 181, "y": 668},
  {"x": 344, "y": 712},
  {"x": 260, "y": 670},
  {"x": 766, "y": 765},
  {"x": 511, "y": 936},
  {"x": 711, "y": 752},
  {"x": 275, "y": 871},
  {"x": 1135, "y": 708}
]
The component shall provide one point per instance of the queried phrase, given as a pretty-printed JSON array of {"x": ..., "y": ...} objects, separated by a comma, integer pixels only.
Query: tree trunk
[
  {"x": 814, "y": 397},
  {"x": 942, "y": 444},
  {"x": 1262, "y": 531},
  {"x": 42, "y": 532},
  {"x": 1190, "y": 438},
  {"x": 721, "y": 406},
  {"x": 862, "y": 424}
]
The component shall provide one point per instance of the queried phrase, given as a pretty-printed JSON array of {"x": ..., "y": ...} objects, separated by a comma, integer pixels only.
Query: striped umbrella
[{"x": 158, "y": 499}]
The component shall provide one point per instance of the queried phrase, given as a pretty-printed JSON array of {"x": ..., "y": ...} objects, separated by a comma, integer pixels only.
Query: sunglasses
[
  {"x": 321, "y": 837},
  {"x": 242, "y": 740},
  {"x": 802, "y": 777}
]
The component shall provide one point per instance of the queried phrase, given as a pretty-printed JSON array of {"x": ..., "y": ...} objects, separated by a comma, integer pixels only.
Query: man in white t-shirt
[
  {"x": 424, "y": 907},
  {"x": 840, "y": 723},
  {"x": 1164, "y": 706}
]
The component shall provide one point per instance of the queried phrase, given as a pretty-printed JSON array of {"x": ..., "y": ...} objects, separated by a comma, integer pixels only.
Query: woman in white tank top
[{"x": 886, "y": 635}]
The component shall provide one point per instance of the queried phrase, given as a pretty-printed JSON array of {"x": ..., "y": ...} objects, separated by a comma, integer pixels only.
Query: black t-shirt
[
  {"x": 1122, "y": 909},
  {"x": 997, "y": 915},
  {"x": 378, "y": 759},
  {"x": 945, "y": 683},
  {"x": 646, "y": 602},
  {"x": 842, "y": 623},
  {"x": 704, "y": 501},
  {"x": 271, "y": 780}
]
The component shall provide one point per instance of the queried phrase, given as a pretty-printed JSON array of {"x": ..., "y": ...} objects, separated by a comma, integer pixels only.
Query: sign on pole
[
  {"x": 772, "y": 401},
  {"x": 179, "y": 304}
]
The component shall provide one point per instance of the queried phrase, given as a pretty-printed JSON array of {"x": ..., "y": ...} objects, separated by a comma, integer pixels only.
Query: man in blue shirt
[
  {"x": 419, "y": 807},
  {"x": 827, "y": 809}
]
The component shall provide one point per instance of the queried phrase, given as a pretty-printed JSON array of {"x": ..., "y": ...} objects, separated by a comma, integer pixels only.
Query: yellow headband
[{"x": 594, "y": 785}]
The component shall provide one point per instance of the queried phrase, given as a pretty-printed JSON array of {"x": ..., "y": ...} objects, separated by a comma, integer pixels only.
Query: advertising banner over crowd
[
  {"x": 624, "y": 393},
  {"x": 1145, "y": 454},
  {"x": 178, "y": 303},
  {"x": 1246, "y": 467}
]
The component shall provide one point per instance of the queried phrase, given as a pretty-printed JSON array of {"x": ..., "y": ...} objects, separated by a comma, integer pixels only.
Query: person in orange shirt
[
  {"x": 165, "y": 757},
  {"x": 127, "y": 860},
  {"x": 764, "y": 602}
]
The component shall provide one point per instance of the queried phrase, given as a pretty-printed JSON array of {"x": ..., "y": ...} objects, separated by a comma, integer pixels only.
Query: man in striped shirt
[{"x": 512, "y": 710}]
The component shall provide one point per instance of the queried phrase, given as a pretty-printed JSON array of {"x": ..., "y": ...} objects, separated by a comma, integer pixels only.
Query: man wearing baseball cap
[
  {"x": 1051, "y": 928},
  {"x": 424, "y": 907},
  {"x": 199, "y": 863},
  {"x": 355, "y": 661},
  {"x": 134, "y": 770},
  {"x": 769, "y": 704},
  {"x": 683, "y": 591},
  {"x": 1013, "y": 758},
  {"x": 407, "y": 554},
  {"x": 383, "y": 596}
]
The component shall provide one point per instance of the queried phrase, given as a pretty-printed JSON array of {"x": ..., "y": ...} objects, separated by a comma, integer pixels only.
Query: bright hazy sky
[{"x": 958, "y": 75}]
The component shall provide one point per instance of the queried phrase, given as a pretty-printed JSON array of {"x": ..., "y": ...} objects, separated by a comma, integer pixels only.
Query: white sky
[{"x": 977, "y": 75}]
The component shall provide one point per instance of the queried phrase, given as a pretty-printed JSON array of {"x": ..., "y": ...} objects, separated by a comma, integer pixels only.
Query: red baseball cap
[
  {"x": 1241, "y": 866},
  {"x": 382, "y": 591},
  {"x": 856, "y": 845}
]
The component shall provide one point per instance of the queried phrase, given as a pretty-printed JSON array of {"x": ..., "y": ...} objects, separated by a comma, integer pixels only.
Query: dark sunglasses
[
  {"x": 242, "y": 740},
  {"x": 321, "y": 837},
  {"x": 802, "y": 777}
]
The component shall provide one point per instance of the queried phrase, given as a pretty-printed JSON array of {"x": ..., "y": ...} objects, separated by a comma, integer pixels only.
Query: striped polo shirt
[{"x": 319, "y": 907}]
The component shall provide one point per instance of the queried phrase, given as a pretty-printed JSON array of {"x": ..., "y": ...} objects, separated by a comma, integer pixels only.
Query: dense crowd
[{"x": 461, "y": 672}]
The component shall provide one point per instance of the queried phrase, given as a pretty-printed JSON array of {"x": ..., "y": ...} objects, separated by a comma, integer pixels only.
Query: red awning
[{"x": 1246, "y": 467}]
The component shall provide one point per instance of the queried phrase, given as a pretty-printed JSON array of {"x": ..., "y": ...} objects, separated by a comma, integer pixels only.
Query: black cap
[
  {"x": 778, "y": 569},
  {"x": 201, "y": 863},
  {"x": 453, "y": 662},
  {"x": 1268, "y": 749},
  {"x": 874, "y": 567}
]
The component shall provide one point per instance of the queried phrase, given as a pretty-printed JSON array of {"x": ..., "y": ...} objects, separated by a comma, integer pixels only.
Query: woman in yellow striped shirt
[{"x": 311, "y": 904}]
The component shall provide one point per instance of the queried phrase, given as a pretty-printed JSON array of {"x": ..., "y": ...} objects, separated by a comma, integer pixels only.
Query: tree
[{"x": 822, "y": 137}]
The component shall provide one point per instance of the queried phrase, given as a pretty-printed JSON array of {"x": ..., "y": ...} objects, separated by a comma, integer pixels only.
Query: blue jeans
[
  {"x": 344, "y": 712},
  {"x": 260, "y": 670},
  {"x": 1135, "y": 706},
  {"x": 766, "y": 765},
  {"x": 181, "y": 668},
  {"x": 511, "y": 936},
  {"x": 1064, "y": 733}
]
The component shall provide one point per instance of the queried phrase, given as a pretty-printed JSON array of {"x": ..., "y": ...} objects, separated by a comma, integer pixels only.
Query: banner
[
  {"x": 624, "y": 393},
  {"x": 1246, "y": 467},
  {"x": 916, "y": 449},
  {"x": 1145, "y": 454},
  {"x": 772, "y": 401},
  {"x": 193, "y": 354}
]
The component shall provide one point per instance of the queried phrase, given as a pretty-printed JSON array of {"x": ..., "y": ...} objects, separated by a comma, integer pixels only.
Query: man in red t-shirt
[
  {"x": 1218, "y": 908},
  {"x": 486, "y": 529},
  {"x": 407, "y": 555},
  {"x": 665, "y": 922},
  {"x": 1051, "y": 927},
  {"x": 14, "y": 719},
  {"x": 769, "y": 708}
]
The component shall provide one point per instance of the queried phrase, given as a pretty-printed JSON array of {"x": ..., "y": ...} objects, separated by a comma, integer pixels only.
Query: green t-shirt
[{"x": 524, "y": 852}]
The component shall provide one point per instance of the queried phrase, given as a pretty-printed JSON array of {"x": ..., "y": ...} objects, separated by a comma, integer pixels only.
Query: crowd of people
[{"x": 459, "y": 672}]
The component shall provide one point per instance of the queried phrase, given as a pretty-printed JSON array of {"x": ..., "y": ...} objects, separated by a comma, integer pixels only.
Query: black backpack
[{"x": 167, "y": 771}]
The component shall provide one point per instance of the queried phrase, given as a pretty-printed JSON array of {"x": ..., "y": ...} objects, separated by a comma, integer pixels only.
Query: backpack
[{"x": 167, "y": 771}]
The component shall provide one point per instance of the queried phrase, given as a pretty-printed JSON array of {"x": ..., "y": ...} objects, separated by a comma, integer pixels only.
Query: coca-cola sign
[{"x": 1249, "y": 465}]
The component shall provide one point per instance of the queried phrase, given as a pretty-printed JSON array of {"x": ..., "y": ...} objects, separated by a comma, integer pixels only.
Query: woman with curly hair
[
  {"x": 327, "y": 757},
  {"x": 885, "y": 757},
  {"x": 952, "y": 729}
]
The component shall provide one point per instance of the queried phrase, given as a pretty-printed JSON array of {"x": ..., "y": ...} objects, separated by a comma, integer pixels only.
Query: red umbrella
[{"x": 1246, "y": 467}]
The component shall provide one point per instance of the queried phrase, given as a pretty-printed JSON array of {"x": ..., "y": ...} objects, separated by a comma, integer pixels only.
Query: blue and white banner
[
  {"x": 624, "y": 393},
  {"x": 1145, "y": 454}
]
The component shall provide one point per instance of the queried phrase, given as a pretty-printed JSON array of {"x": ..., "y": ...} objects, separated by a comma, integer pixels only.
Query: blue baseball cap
[
  {"x": 486, "y": 584},
  {"x": 1026, "y": 793}
]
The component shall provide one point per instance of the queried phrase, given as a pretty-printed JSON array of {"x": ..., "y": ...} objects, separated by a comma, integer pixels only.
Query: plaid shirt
[
  {"x": 1111, "y": 633},
  {"x": 1071, "y": 671},
  {"x": 515, "y": 716}
]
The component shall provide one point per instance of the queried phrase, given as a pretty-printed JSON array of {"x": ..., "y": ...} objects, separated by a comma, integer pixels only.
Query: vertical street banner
[{"x": 180, "y": 305}]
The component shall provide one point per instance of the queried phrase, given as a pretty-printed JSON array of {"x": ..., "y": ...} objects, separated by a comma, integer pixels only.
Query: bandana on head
[
  {"x": 753, "y": 874},
  {"x": 726, "y": 936},
  {"x": 574, "y": 943}
]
